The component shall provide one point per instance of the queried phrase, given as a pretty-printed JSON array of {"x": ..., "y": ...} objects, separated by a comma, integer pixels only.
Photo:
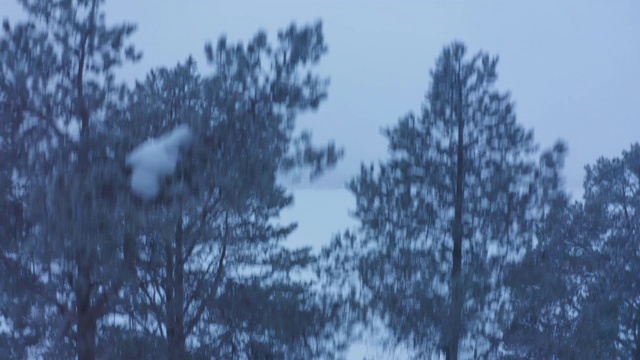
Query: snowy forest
[{"x": 142, "y": 221}]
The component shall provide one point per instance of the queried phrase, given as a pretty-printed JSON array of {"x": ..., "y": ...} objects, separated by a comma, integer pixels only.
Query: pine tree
[
  {"x": 57, "y": 76},
  {"x": 214, "y": 281},
  {"x": 609, "y": 320},
  {"x": 582, "y": 300},
  {"x": 441, "y": 218}
]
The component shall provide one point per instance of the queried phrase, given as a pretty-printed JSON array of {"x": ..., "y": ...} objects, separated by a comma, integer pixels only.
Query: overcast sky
[{"x": 571, "y": 66}]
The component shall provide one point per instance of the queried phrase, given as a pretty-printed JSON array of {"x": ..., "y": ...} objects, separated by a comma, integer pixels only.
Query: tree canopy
[{"x": 142, "y": 220}]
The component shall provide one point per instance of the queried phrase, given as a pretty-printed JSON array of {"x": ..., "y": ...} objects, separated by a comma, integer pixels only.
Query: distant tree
[
  {"x": 543, "y": 283},
  {"x": 58, "y": 93},
  {"x": 612, "y": 226},
  {"x": 588, "y": 299},
  {"x": 439, "y": 221}
]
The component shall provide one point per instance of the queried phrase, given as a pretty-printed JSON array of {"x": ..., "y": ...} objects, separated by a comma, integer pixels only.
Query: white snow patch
[
  {"x": 156, "y": 158},
  {"x": 72, "y": 128},
  {"x": 5, "y": 325}
]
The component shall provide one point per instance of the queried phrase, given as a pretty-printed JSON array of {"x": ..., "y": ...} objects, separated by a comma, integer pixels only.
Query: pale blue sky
[{"x": 571, "y": 66}]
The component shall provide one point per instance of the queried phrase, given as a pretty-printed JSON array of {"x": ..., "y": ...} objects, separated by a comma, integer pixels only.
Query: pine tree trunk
[
  {"x": 175, "y": 303},
  {"x": 455, "y": 322},
  {"x": 86, "y": 322},
  {"x": 179, "y": 298},
  {"x": 169, "y": 291},
  {"x": 86, "y": 341}
]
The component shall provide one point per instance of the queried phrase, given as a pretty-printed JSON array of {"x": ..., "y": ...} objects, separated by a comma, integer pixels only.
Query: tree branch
[{"x": 216, "y": 282}]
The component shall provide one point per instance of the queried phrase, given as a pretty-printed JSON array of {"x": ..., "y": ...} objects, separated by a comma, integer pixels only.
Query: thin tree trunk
[
  {"x": 455, "y": 321},
  {"x": 175, "y": 296},
  {"x": 86, "y": 322},
  {"x": 179, "y": 345},
  {"x": 86, "y": 319},
  {"x": 169, "y": 290}
]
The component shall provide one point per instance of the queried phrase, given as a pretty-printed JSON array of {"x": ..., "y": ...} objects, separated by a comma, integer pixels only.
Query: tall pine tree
[{"x": 451, "y": 207}]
